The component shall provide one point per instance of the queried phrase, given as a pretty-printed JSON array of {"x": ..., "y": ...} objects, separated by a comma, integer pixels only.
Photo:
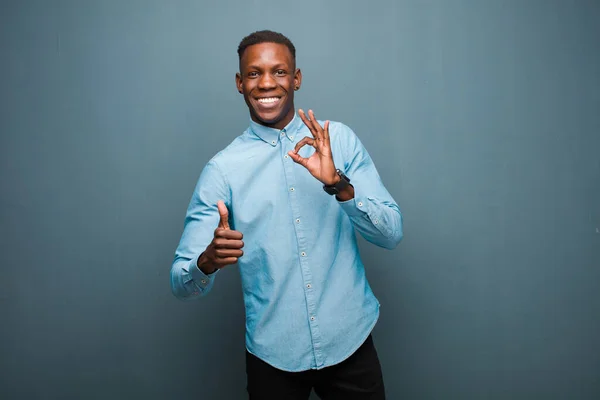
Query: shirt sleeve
[
  {"x": 188, "y": 282},
  {"x": 373, "y": 211}
]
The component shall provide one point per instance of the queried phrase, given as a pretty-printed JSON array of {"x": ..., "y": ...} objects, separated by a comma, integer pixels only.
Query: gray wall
[{"x": 483, "y": 118}]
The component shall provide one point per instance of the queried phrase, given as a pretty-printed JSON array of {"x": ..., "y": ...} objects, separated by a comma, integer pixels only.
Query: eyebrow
[{"x": 276, "y": 66}]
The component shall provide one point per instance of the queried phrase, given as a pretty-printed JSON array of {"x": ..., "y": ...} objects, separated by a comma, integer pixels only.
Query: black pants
[{"x": 358, "y": 377}]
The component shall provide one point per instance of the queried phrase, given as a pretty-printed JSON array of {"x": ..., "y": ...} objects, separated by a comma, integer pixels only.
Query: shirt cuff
[
  {"x": 354, "y": 207},
  {"x": 200, "y": 278}
]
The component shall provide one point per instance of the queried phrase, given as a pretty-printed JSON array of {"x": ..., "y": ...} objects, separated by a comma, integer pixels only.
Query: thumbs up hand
[{"x": 226, "y": 246}]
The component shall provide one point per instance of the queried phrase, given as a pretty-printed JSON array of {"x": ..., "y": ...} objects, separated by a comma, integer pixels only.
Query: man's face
[{"x": 267, "y": 79}]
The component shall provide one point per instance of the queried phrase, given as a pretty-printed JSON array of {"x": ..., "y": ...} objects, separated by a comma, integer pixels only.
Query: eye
[
  {"x": 252, "y": 74},
  {"x": 280, "y": 72}
]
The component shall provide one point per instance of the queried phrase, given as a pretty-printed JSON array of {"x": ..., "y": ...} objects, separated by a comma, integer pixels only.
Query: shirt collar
[{"x": 272, "y": 135}]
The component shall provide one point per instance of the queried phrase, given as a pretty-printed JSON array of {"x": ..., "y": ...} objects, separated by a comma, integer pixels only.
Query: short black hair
[{"x": 265, "y": 36}]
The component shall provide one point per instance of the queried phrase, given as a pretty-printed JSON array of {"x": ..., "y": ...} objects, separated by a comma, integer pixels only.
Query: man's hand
[
  {"x": 225, "y": 248},
  {"x": 320, "y": 164}
]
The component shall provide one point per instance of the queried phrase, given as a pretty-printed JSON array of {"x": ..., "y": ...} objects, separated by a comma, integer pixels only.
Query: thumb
[
  {"x": 224, "y": 213},
  {"x": 297, "y": 158}
]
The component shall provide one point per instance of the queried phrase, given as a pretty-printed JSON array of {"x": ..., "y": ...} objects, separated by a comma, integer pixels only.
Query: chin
[{"x": 269, "y": 118}]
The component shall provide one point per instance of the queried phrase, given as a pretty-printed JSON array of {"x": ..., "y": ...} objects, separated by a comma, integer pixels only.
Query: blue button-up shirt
[{"x": 307, "y": 301}]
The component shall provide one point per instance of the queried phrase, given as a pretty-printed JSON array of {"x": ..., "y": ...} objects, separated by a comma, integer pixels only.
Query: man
[{"x": 283, "y": 201}]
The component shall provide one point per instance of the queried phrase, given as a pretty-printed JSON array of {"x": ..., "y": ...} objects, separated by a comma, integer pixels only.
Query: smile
[{"x": 269, "y": 100}]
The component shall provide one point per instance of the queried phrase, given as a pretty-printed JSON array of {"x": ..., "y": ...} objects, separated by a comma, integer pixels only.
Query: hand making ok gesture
[{"x": 320, "y": 164}]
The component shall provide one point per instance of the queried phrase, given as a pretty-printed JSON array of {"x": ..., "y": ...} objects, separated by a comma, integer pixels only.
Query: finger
[
  {"x": 303, "y": 116},
  {"x": 304, "y": 141},
  {"x": 224, "y": 214},
  {"x": 222, "y": 243},
  {"x": 226, "y": 253},
  {"x": 307, "y": 122},
  {"x": 228, "y": 234},
  {"x": 315, "y": 124},
  {"x": 326, "y": 130}
]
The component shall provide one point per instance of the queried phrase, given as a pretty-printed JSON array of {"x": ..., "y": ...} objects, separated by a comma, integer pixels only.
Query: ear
[
  {"x": 297, "y": 79},
  {"x": 238, "y": 82}
]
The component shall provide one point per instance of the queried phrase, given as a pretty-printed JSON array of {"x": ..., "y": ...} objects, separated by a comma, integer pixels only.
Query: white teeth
[{"x": 268, "y": 100}]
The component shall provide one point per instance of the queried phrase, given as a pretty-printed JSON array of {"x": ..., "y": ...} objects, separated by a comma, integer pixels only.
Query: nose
[{"x": 266, "y": 82}]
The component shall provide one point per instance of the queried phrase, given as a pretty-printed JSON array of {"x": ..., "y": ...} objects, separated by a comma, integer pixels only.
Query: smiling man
[{"x": 283, "y": 201}]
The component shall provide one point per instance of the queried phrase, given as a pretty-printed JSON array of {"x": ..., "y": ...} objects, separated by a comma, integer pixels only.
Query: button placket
[{"x": 289, "y": 168}]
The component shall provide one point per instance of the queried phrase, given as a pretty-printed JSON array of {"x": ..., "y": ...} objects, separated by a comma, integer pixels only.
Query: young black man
[{"x": 283, "y": 201}]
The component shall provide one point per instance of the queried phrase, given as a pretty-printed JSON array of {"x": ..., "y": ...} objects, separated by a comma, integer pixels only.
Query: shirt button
[
  {"x": 273, "y": 142},
  {"x": 291, "y": 137},
  {"x": 286, "y": 156},
  {"x": 282, "y": 133},
  {"x": 360, "y": 203},
  {"x": 308, "y": 286},
  {"x": 312, "y": 318},
  {"x": 292, "y": 189},
  {"x": 376, "y": 221},
  {"x": 203, "y": 280},
  {"x": 303, "y": 254},
  {"x": 298, "y": 220}
]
